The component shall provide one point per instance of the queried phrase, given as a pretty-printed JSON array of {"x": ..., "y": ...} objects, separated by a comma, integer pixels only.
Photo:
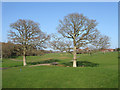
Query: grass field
[{"x": 99, "y": 71}]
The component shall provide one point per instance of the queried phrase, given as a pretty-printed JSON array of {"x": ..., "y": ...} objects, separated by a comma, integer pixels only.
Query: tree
[
  {"x": 78, "y": 28},
  {"x": 28, "y": 34},
  {"x": 92, "y": 49},
  {"x": 102, "y": 42},
  {"x": 10, "y": 50},
  {"x": 58, "y": 43},
  {"x": 7, "y": 49},
  {"x": 68, "y": 45},
  {"x": 117, "y": 49}
]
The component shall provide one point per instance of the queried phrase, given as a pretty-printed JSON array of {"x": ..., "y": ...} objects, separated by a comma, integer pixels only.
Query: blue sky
[{"x": 48, "y": 15}]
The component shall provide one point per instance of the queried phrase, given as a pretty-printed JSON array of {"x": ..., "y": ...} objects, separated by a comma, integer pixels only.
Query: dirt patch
[
  {"x": 48, "y": 65},
  {"x": 60, "y": 65},
  {"x": 15, "y": 60},
  {"x": 40, "y": 65},
  {"x": 3, "y": 68},
  {"x": 64, "y": 57}
]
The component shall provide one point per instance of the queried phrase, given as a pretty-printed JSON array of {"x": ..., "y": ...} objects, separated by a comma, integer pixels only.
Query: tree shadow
[
  {"x": 82, "y": 64},
  {"x": 43, "y": 62},
  {"x": 14, "y": 57},
  {"x": 17, "y": 65},
  {"x": 119, "y": 57}
]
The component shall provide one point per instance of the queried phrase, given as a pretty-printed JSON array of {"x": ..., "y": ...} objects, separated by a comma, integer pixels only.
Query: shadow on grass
[
  {"x": 119, "y": 57},
  {"x": 43, "y": 62},
  {"x": 82, "y": 64},
  {"x": 17, "y": 65},
  {"x": 10, "y": 66},
  {"x": 14, "y": 56}
]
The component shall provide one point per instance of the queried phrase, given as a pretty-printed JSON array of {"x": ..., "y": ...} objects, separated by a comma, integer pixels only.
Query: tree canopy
[
  {"x": 28, "y": 34},
  {"x": 80, "y": 29}
]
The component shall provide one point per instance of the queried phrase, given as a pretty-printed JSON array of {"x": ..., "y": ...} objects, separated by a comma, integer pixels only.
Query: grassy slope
[{"x": 103, "y": 76}]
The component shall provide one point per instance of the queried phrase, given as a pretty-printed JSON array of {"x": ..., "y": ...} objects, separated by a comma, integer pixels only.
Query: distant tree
[
  {"x": 28, "y": 34},
  {"x": 92, "y": 49},
  {"x": 117, "y": 49},
  {"x": 10, "y": 50},
  {"x": 68, "y": 46},
  {"x": 78, "y": 28},
  {"x": 58, "y": 43},
  {"x": 102, "y": 42},
  {"x": 7, "y": 49}
]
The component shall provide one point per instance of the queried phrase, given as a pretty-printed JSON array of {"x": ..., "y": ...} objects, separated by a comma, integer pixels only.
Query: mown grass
[{"x": 104, "y": 75}]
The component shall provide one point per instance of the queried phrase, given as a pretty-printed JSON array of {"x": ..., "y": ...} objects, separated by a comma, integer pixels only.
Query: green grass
[
  {"x": 10, "y": 63},
  {"x": 104, "y": 75}
]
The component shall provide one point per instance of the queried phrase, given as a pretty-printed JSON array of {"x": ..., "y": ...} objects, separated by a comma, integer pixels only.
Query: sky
[{"x": 48, "y": 14}]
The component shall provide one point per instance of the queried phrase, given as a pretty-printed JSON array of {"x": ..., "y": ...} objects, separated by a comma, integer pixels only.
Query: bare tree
[
  {"x": 68, "y": 46},
  {"x": 58, "y": 43},
  {"x": 102, "y": 42},
  {"x": 78, "y": 28},
  {"x": 28, "y": 34}
]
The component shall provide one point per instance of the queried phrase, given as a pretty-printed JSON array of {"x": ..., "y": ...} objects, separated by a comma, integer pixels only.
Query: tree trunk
[
  {"x": 74, "y": 52},
  {"x": 74, "y": 57},
  {"x": 24, "y": 57},
  {"x": 24, "y": 60}
]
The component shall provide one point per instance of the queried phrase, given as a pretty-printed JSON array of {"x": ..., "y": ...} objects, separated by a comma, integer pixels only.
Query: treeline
[{"x": 12, "y": 50}]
